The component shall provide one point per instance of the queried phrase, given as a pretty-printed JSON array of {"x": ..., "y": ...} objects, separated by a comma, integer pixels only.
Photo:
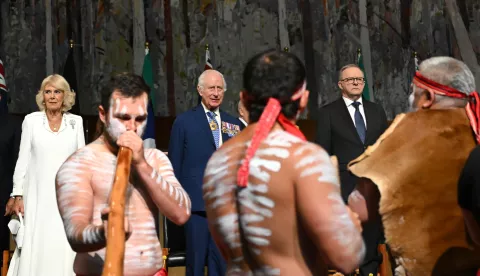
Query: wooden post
[
  {"x": 282, "y": 21},
  {"x": 365, "y": 41},
  {"x": 48, "y": 37},
  {"x": 169, "y": 58},
  {"x": 463, "y": 40},
  {"x": 138, "y": 36}
]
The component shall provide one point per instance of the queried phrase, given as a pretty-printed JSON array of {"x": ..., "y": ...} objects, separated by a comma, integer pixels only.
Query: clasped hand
[
  {"x": 14, "y": 206},
  {"x": 131, "y": 140}
]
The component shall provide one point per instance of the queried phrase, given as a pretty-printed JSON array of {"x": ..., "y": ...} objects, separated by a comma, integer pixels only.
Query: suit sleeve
[
  {"x": 383, "y": 118},
  {"x": 23, "y": 159},
  {"x": 324, "y": 134},
  {"x": 176, "y": 146}
]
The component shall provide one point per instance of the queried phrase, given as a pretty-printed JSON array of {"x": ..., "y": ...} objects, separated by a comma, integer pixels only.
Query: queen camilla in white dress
[{"x": 47, "y": 141}]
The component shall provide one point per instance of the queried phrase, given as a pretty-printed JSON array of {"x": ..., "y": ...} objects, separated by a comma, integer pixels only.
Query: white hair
[
  {"x": 201, "y": 78},
  {"x": 450, "y": 72}
]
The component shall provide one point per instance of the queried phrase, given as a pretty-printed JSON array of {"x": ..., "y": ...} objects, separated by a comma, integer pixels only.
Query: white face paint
[{"x": 115, "y": 126}]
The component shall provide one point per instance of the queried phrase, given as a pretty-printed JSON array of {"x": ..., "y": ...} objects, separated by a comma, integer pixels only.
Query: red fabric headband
[
  {"x": 472, "y": 108},
  {"x": 270, "y": 115}
]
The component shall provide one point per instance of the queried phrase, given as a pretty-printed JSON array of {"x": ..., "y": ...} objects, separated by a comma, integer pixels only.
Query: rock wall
[{"x": 325, "y": 34}]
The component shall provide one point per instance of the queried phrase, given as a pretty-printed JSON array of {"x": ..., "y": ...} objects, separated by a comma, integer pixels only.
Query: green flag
[
  {"x": 148, "y": 76},
  {"x": 366, "y": 93}
]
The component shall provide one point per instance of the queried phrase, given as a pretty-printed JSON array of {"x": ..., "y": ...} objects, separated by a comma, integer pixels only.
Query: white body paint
[
  {"x": 253, "y": 210},
  {"x": 86, "y": 180}
]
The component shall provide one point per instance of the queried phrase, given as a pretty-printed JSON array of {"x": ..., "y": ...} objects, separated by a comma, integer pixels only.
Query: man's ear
[
  {"x": 304, "y": 100},
  {"x": 242, "y": 97},
  {"x": 199, "y": 90},
  {"x": 429, "y": 99},
  {"x": 101, "y": 113},
  {"x": 340, "y": 85}
]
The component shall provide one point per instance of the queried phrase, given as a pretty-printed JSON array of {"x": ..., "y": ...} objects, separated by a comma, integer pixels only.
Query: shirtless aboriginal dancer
[
  {"x": 273, "y": 199},
  {"x": 85, "y": 180}
]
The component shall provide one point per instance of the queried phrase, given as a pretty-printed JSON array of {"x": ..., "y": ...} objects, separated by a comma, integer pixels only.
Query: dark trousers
[
  {"x": 373, "y": 236},
  {"x": 201, "y": 249}
]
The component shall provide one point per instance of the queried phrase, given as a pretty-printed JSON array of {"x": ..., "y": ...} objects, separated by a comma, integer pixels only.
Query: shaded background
[{"x": 109, "y": 36}]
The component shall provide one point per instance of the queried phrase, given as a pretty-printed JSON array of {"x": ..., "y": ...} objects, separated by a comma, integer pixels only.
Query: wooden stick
[
  {"x": 115, "y": 253},
  {"x": 6, "y": 257}
]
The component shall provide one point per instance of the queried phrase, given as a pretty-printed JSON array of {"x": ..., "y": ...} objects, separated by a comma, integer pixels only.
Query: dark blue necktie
[{"x": 359, "y": 123}]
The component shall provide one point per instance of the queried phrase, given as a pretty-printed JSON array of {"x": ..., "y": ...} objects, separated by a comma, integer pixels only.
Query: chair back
[{"x": 174, "y": 240}]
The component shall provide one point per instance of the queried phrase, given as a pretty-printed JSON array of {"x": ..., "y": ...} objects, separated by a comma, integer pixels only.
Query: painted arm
[
  {"x": 220, "y": 205},
  {"x": 175, "y": 147},
  {"x": 324, "y": 134},
  {"x": 80, "y": 134},
  {"x": 23, "y": 159},
  {"x": 163, "y": 187},
  {"x": 331, "y": 225},
  {"x": 75, "y": 202}
]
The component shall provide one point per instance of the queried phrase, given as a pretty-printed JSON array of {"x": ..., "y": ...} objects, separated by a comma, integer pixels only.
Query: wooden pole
[
  {"x": 365, "y": 42},
  {"x": 115, "y": 252},
  {"x": 169, "y": 58},
  {"x": 463, "y": 40}
]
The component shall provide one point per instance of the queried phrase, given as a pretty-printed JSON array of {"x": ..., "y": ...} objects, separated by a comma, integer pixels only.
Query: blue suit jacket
[{"x": 191, "y": 146}]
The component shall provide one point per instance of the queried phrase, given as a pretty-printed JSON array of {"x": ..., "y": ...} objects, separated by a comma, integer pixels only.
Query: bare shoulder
[
  {"x": 81, "y": 162},
  {"x": 85, "y": 153},
  {"x": 155, "y": 156},
  {"x": 312, "y": 160}
]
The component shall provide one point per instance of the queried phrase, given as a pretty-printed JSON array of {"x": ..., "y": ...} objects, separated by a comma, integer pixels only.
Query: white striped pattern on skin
[
  {"x": 256, "y": 206},
  {"x": 83, "y": 186},
  {"x": 345, "y": 232}
]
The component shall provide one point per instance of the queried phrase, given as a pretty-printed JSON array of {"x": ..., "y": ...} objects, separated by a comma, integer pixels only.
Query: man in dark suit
[
  {"x": 11, "y": 128},
  {"x": 195, "y": 135},
  {"x": 346, "y": 127}
]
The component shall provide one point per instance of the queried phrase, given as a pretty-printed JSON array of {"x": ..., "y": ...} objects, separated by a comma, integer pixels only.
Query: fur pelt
[{"x": 416, "y": 165}]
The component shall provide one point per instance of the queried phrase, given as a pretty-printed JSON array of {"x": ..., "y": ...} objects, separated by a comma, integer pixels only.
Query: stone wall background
[{"x": 324, "y": 33}]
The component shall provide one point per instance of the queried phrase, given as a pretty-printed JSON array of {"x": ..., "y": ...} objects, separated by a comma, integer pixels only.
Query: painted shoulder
[{"x": 155, "y": 154}]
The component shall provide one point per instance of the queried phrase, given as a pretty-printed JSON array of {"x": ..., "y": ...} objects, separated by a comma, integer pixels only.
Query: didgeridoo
[{"x": 115, "y": 253}]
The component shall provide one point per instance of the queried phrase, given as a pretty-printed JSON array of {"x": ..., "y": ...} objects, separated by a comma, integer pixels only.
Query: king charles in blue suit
[{"x": 196, "y": 134}]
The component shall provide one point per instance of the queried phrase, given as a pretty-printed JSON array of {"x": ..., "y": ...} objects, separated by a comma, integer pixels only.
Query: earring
[{"x": 43, "y": 103}]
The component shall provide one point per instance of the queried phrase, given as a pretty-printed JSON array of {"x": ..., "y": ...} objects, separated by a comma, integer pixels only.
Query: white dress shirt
[
  {"x": 243, "y": 121},
  {"x": 351, "y": 109},
  {"x": 219, "y": 122}
]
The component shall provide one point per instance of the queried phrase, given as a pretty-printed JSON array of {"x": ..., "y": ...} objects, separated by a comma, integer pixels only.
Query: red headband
[
  {"x": 270, "y": 115},
  {"x": 472, "y": 108}
]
